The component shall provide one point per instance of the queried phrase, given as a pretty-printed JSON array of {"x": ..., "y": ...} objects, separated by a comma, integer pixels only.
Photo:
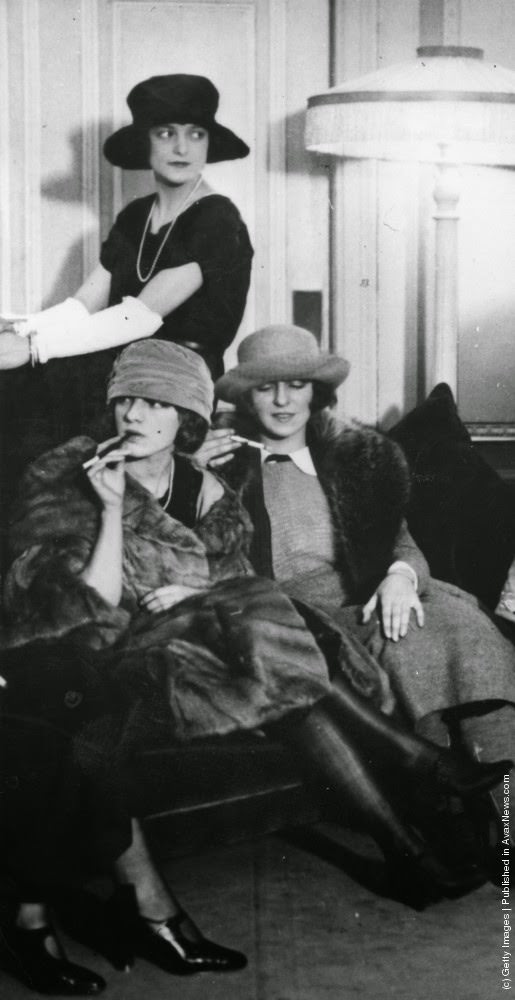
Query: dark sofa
[{"x": 462, "y": 515}]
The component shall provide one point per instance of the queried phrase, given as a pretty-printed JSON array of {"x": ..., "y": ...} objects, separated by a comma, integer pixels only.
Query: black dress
[
  {"x": 187, "y": 483},
  {"x": 210, "y": 233}
]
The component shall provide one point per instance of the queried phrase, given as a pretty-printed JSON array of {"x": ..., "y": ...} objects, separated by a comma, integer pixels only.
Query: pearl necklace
[
  {"x": 164, "y": 503},
  {"x": 181, "y": 208}
]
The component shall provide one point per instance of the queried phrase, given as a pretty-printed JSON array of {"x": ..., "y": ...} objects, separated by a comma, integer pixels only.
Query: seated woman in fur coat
[
  {"x": 329, "y": 528},
  {"x": 85, "y": 647},
  {"x": 132, "y": 612}
]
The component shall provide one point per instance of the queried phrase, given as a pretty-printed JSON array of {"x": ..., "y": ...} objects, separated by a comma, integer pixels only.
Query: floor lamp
[{"x": 447, "y": 107}]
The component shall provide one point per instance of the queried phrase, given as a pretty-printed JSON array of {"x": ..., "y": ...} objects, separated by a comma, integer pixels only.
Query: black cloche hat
[{"x": 181, "y": 98}]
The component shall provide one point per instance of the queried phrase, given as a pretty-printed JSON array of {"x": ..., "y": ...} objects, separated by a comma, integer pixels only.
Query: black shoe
[
  {"x": 31, "y": 959},
  {"x": 176, "y": 945},
  {"x": 464, "y": 777},
  {"x": 451, "y": 881}
]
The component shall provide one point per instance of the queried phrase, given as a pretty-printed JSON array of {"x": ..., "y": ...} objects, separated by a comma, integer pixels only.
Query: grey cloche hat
[
  {"x": 278, "y": 353},
  {"x": 167, "y": 372}
]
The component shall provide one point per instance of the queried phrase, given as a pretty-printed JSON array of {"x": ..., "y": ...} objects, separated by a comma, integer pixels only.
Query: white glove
[
  {"x": 65, "y": 314},
  {"x": 130, "y": 320}
]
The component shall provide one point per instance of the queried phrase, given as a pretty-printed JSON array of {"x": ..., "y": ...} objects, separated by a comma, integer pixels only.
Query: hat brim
[
  {"x": 327, "y": 369},
  {"x": 128, "y": 146}
]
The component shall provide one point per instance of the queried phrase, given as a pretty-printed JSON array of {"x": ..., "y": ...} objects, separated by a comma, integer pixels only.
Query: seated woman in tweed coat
[{"x": 329, "y": 527}]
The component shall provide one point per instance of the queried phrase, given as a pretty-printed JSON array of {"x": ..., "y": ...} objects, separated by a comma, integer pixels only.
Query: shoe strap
[
  {"x": 160, "y": 922},
  {"x": 35, "y": 932},
  {"x": 36, "y": 935},
  {"x": 173, "y": 925}
]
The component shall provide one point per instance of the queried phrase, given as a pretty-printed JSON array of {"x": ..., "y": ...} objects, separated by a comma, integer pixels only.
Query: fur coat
[
  {"x": 235, "y": 656},
  {"x": 91, "y": 684}
]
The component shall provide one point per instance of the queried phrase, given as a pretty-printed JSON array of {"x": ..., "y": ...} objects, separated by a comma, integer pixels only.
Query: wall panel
[
  {"x": 90, "y": 115},
  {"x": 32, "y": 164},
  {"x": 486, "y": 353},
  {"x": 21, "y": 155},
  {"x": 307, "y": 182},
  {"x": 5, "y": 165},
  {"x": 60, "y": 184}
]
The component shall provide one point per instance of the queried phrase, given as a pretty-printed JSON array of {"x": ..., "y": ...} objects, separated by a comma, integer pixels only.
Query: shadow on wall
[
  {"x": 64, "y": 187},
  {"x": 74, "y": 188},
  {"x": 298, "y": 160}
]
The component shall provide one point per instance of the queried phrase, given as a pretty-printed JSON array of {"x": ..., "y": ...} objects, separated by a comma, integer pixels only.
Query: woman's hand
[
  {"x": 107, "y": 477},
  {"x": 217, "y": 449},
  {"x": 14, "y": 350},
  {"x": 397, "y": 598},
  {"x": 165, "y": 597},
  {"x": 104, "y": 569}
]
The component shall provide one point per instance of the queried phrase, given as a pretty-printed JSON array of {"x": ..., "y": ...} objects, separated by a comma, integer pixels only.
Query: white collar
[{"x": 301, "y": 458}]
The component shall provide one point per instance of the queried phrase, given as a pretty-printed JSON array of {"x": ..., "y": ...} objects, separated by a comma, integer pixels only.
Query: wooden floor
[{"x": 311, "y": 932}]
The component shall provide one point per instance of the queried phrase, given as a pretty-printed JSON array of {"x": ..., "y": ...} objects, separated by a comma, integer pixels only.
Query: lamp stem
[{"x": 445, "y": 357}]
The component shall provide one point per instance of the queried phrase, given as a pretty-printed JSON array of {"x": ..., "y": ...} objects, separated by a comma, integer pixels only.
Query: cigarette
[
  {"x": 103, "y": 450},
  {"x": 90, "y": 462},
  {"x": 251, "y": 444}
]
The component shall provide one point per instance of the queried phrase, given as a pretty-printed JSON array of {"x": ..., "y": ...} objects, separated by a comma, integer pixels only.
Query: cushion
[{"x": 461, "y": 513}]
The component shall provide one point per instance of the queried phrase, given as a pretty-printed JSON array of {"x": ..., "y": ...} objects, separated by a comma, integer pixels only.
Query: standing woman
[{"x": 176, "y": 262}]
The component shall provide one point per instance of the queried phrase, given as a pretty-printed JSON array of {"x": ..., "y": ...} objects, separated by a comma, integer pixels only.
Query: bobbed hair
[
  {"x": 191, "y": 431},
  {"x": 324, "y": 397}
]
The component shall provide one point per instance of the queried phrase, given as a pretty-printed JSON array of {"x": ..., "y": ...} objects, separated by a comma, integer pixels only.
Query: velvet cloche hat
[
  {"x": 179, "y": 97},
  {"x": 279, "y": 353}
]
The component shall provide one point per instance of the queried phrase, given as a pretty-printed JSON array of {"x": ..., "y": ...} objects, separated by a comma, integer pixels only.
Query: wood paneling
[
  {"x": 5, "y": 174},
  {"x": 32, "y": 148},
  {"x": 91, "y": 153}
]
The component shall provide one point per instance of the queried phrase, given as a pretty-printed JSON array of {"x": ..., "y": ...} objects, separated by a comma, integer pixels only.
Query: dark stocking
[
  {"x": 334, "y": 763},
  {"x": 384, "y": 741},
  {"x": 389, "y": 746}
]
